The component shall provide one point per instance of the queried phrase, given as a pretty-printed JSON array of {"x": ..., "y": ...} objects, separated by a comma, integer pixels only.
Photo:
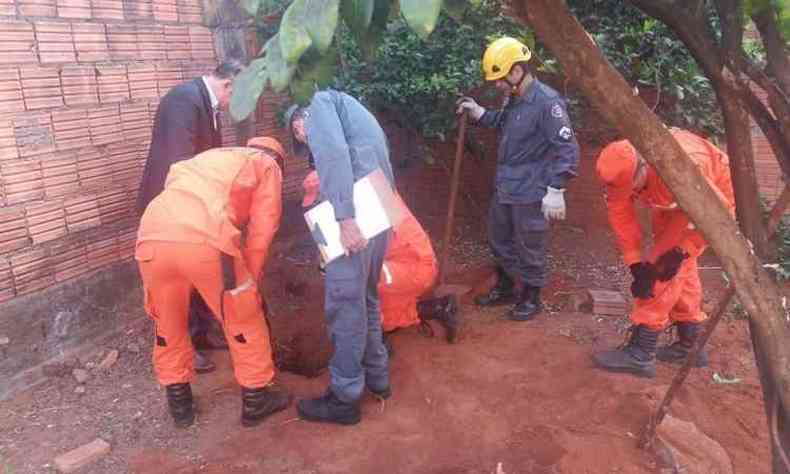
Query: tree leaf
[
  {"x": 421, "y": 15},
  {"x": 358, "y": 14},
  {"x": 308, "y": 23},
  {"x": 294, "y": 38},
  {"x": 322, "y": 16},
  {"x": 247, "y": 88},
  {"x": 278, "y": 70},
  {"x": 456, "y": 9}
]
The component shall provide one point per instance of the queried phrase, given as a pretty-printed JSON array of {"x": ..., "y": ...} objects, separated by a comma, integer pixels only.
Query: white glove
[
  {"x": 553, "y": 205},
  {"x": 468, "y": 103}
]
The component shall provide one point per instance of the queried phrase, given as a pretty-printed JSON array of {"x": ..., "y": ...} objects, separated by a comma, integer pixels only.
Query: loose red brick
[{"x": 37, "y": 8}]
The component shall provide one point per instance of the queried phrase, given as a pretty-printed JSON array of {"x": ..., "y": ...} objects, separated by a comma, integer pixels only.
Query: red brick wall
[
  {"x": 769, "y": 175},
  {"x": 80, "y": 81}
]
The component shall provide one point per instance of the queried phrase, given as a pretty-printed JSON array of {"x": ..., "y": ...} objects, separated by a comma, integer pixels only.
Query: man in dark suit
[{"x": 186, "y": 124}]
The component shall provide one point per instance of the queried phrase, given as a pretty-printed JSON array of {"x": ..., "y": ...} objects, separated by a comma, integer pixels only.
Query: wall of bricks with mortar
[{"x": 80, "y": 81}]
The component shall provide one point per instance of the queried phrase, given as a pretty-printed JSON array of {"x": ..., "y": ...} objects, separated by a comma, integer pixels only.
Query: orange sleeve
[
  {"x": 265, "y": 211},
  {"x": 622, "y": 218}
]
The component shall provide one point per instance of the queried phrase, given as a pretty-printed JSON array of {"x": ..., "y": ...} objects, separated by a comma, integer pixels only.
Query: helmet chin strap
[{"x": 518, "y": 88}]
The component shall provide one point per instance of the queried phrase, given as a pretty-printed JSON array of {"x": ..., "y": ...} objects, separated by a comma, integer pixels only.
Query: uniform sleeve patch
[
  {"x": 556, "y": 111},
  {"x": 565, "y": 133}
]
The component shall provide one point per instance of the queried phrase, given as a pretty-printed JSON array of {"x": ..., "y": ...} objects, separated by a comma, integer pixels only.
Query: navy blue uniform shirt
[{"x": 537, "y": 146}]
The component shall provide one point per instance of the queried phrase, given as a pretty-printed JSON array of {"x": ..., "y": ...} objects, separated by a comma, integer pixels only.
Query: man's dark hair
[{"x": 228, "y": 69}]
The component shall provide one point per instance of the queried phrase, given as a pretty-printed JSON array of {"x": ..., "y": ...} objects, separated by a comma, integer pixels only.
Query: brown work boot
[{"x": 258, "y": 403}]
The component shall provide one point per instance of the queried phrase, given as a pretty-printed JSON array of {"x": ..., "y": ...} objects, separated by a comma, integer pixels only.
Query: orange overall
[
  {"x": 409, "y": 268},
  {"x": 680, "y": 298},
  {"x": 206, "y": 203}
]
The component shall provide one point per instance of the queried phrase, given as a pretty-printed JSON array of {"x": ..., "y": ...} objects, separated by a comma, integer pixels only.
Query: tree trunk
[
  {"x": 775, "y": 47},
  {"x": 610, "y": 93},
  {"x": 748, "y": 207}
]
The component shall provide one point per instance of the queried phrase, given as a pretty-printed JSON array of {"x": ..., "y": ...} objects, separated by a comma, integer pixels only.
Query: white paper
[{"x": 370, "y": 215}]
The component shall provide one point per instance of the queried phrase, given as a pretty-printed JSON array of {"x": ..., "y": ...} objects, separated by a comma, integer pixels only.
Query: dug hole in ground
[{"x": 509, "y": 397}]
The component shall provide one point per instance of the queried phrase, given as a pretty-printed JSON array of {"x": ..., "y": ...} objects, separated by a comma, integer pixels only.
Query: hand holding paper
[{"x": 351, "y": 237}]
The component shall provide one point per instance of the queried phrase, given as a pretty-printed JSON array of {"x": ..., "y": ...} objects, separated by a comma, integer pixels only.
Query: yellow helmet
[{"x": 501, "y": 55}]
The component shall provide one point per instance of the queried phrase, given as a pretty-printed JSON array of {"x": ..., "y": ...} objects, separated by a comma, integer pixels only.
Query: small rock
[
  {"x": 133, "y": 347},
  {"x": 81, "y": 375},
  {"x": 4, "y": 341},
  {"x": 109, "y": 360},
  {"x": 80, "y": 389},
  {"x": 82, "y": 456}
]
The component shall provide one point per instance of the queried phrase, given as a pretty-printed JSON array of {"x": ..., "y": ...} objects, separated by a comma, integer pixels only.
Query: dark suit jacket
[{"x": 183, "y": 127}]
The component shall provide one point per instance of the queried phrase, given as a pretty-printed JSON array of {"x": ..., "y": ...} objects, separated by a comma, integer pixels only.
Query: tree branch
[{"x": 610, "y": 93}]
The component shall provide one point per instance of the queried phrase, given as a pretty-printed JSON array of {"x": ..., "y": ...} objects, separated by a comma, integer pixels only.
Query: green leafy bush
[
  {"x": 648, "y": 54},
  {"x": 420, "y": 80}
]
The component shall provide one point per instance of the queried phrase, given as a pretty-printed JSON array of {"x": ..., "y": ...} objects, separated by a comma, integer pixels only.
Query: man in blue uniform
[
  {"x": 345, "y": 142},
  {"x": 538, "y": 154}
]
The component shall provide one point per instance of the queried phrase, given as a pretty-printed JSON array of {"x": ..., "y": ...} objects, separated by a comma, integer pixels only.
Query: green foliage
[
  {"x": 648, "y": 53},
  {"x": 421, "y": 15},
  {"x": 250, "y": 83},
  {"x": 421, "y": 80},
  {"x": 307, "y": 31}
]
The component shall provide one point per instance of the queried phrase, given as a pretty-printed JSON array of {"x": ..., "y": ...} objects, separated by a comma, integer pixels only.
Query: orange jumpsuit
[
  {"x": 409, "y": 268},
  {"x": 206, "y": 203},
  {"x": 680, "y": 298}
]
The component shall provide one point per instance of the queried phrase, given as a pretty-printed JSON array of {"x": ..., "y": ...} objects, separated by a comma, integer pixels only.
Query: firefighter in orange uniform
[
  {"x": 666, "y": 286},
  {"x": 409, "y": 272},
  {"x": 190, "y": 237}
]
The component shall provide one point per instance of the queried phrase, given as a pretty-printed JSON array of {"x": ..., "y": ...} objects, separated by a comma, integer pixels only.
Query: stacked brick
[{"x": 80, "y": 81}]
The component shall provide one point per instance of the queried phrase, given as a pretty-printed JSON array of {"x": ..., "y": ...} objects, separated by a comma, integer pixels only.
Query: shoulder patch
[
  {"x": 565, "y": 133},
  {"x": 556, "y": 111}
]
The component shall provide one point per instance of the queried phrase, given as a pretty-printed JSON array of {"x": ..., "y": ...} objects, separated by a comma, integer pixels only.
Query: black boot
[
  {"x": 637, "y": 357},
  {"x": 444, "y": 310},
  {"x": 529, "y": 305},
  {"x": 329, "y": 409},
  {"x": 680, "y": 349},
  {"x": 179, "y": 400},
  {"x": 502, "y": 292},
  {"x": 258, "y": 403}
]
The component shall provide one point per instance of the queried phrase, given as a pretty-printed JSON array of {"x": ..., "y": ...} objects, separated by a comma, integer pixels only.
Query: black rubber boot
[
  {"x": 329, "y": 409},
  {"x": 502, "y": 293},
  {"x": 259, "y": 403},
  {"x": 444, "y": 310},
  {"x": 382, "y": 394},
  {"x": 179, "y": 400},
  {"x": 637, "y": 357},
  {"x": 680, "y": 349},
  {"x": 528, "y": 306}
]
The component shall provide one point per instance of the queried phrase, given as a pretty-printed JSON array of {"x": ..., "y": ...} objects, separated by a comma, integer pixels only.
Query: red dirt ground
[{"x": 521, "y": 394}]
